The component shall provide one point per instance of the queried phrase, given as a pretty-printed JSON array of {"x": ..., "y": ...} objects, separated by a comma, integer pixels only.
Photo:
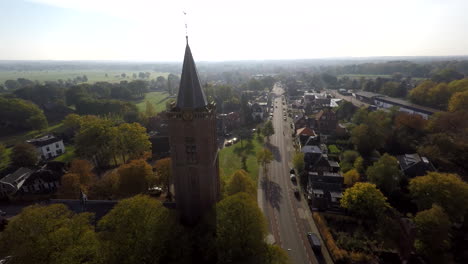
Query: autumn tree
[
  {"x": 351, "y": 177},
  {"x": 240, "y": 229},
  {"x": 163, "y": 169},
  {"x": 50, "y": 234},
  {"x": 364, "y": 200},
  {"x": 80, "y": 177},
  {"x": 444, "y": 189},
  {"x": 24, "y": 155},
  {"x": 371, "y": 131},
  {"x": 106, "y": 187},
  {"x": 458, "y": 101},
  {"x": 136, "y": 230},
  {"x": 385, "y": 173},
  {"x": 240, "y": 181},
  {"x": 72, "y": 124},
  {"x": 135, "y": 177},
  {"x": 432, "y": 234}
]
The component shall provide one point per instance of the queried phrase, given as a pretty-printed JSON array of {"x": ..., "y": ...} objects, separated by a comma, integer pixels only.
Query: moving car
[{"x": 314, "y": 242}]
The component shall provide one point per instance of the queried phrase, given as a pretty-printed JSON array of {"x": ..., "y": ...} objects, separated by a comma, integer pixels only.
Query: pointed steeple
[{"x": 191, "y": 94}]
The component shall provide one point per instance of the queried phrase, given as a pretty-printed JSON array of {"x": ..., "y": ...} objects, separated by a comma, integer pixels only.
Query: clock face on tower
[{"x": 188, "y": 116}]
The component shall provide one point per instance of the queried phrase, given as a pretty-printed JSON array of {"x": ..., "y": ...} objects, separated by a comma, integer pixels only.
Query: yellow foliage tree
[
  {"x": 458, "y": 101},
  {"x": 351, "y": 177},
  {"x": 240, "y": 181}
]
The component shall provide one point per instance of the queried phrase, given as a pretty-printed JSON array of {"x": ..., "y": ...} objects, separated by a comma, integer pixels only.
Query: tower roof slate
[{"x": 191, "y": 94}]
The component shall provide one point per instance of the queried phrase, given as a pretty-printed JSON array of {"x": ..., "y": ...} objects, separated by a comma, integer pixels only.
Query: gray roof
[
  {"x": 43, "y": 141},
  {"x": 311, "y": 149},
  {"x": 17, "y": 178},
  {"x": 368, "y": 94},
  {"x": 191, "y": 94},
  {"x": 404, "y": 103}
]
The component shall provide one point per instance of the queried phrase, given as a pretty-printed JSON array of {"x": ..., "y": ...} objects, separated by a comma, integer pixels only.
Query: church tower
[{"x": 194, "y": 151}]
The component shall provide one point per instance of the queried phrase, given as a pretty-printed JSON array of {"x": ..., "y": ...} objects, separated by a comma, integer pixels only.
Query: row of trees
[
  {"x": 19, "y": 114},
  {"x": 452, "y": 96},
  {"x": 141, "y": 230}
]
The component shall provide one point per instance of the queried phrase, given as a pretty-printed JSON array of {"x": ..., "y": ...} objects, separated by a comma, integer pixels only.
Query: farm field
[
  {"x": 158, "y": 99},
  {"x": 372, "y": 76},
  {"x": 93, "y": 75}
]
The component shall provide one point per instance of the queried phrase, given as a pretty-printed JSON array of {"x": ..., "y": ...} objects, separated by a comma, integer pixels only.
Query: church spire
[{"x": 191, "y": 94}]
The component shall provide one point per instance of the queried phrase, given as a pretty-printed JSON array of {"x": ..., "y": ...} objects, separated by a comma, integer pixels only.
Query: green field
[
  {"x": 93, "y": 75},
  {"x": 22, "y": 137},
  {"x": 372, "y": 76},
  {"x": 158, "y": 99},
  {"x": 4, "y": 163},
  {"x": 230, "y": 159}
]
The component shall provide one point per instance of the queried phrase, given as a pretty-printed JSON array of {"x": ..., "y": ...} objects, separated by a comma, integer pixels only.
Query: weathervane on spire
[{"x": 186, "y": 31}]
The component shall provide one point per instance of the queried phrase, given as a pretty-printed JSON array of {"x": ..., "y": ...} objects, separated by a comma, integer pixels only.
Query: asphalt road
[{"x": 289, "y": 218}]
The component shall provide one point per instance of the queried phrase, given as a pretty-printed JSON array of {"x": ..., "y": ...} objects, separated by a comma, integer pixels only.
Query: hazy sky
[{"x": 153, "y": 30}]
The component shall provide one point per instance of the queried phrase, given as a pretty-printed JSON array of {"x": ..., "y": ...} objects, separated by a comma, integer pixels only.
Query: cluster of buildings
[{"x": 314, "y": 123}]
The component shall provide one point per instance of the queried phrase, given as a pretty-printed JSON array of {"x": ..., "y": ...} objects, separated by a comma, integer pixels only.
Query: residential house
[
  {"x": 413, "y": 165},
  {"x": 13, "y": 182},
  {"x": 45, "y": 180},
  {"x": 259, "y": 110},
  {"x": 324, "y": 189},
  {"x": 326, "y": 122},
  {"x": 48, "y": 146}
]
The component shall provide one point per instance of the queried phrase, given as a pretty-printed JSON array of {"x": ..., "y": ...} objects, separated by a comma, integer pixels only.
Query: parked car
[
  {"x": 292, "y": 177},
  {"x": 284, "y": 118},
  {"x": 228, "y": 143},
  {"x": 291, "y": 171},
  {"x": 235, "y": 140},
  {"x": 314, "y": 242},
  {"x": 296, "y": 193},
  {"x": 2, "y": 213}
]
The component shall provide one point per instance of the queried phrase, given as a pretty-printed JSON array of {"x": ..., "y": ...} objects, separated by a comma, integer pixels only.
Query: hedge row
[{"x": 339, "y": 255}]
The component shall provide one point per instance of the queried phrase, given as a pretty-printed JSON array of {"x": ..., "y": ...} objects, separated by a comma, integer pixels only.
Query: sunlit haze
[{"x": 153, "y": 30}]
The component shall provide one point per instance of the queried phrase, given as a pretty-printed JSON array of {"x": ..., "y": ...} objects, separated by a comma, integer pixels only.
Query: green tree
[
  {"x": 432, "y": 234},
  {"x": 240, "y": 229},
  {"x": 264, "y": 157},
  {"x": 359, "y": 164},
  {"x": 21, "y": 114},
  {"x": 351, "y": 177},
  {"x": 444, "y": 189},
  {"x": 298, "y": 162},
  {"x": 365, "y": 200},
  {"x": 240, "y": 181},
  {"x": 347, "y": 158},
  {"x": 268, "y": 129},
  {"x": 133, "y": 141},
  {"x": 50, "y": 234},
  {"x": 150, "y": 110},
  {"x": 24, "y": 155},
  {"x": 385, "y": 173},
  {"x": 458, "y": 101},
  {"x": 136, "y": 230},
  {"x": 135, "y": 177},
  {"x": 72, "y": 124}
]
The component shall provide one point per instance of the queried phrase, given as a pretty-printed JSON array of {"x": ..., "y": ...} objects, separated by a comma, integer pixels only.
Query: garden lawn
[
  {"x": 158, "y": 99},
  {"x": 230, "y": 159},
  {"x": 68, "y": 156}
]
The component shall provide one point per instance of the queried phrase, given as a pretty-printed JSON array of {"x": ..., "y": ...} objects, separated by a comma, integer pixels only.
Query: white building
[{"x": 48, "y": 146}]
